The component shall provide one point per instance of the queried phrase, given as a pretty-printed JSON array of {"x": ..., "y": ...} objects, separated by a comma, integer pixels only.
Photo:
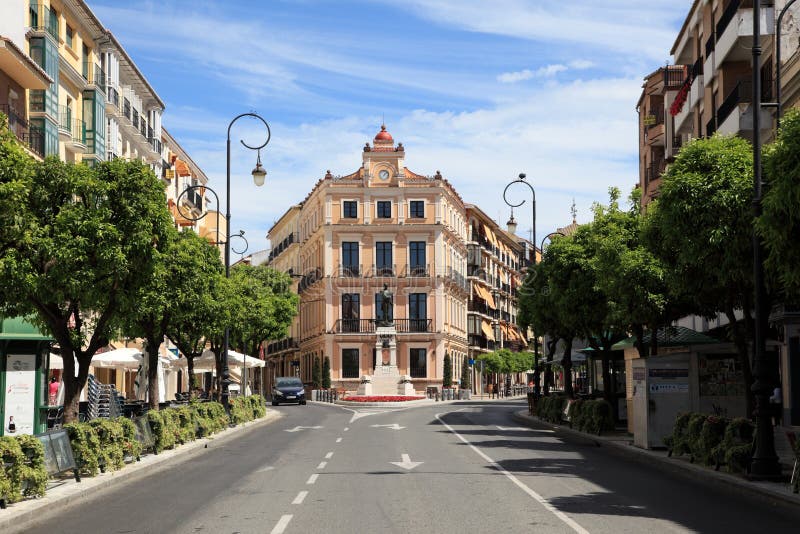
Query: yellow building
[{"x": 380, "y": 226}]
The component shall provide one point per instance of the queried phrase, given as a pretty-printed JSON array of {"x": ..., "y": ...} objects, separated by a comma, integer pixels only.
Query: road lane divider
[
  {"x": 338, "y": 440},
  {"x": 312, "y": 478},
  {"x": 534, "y": 495},
  {"x": 300, "y": 497},
  {"x": 283, "y": 522},
  {"x": 329, "y": 456},
  {"x": 322, "y": 465}
]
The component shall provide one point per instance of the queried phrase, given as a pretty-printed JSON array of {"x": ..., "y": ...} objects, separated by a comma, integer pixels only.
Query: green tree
[
  {"x": 197, "y": 277},
  {"x": 81, "y": 244},
  {"x": 326, "y": 373},
  {"x": 447, "y": 371},
  {"x": 316, "y": 373},
  {"x": 701, "y": 228},
  {"x": 465, "y": 374},
  {"x": 779, "y": 225}
]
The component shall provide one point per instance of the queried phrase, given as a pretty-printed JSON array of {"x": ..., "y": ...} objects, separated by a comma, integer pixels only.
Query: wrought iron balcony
[
  {"x": 34, "y": 140},
  {"x": 127, "y": 110},
  {"x": 112, "y": 96},
  {"x": 348, "y": 271},
  {"x": 41, "y": 19},
  {"x": 742, "y": 93},
  {"x": 16, "y": 120},
  {"x": 367, "y": 326}
]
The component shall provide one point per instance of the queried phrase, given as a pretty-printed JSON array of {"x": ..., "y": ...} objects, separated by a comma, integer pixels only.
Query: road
[{"x": 460, "y": 467}]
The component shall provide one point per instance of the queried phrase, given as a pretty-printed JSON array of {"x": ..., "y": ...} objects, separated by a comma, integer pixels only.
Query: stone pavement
[
  {"x": 624, "y": 443},
  {"x": 64, "y": 491}
]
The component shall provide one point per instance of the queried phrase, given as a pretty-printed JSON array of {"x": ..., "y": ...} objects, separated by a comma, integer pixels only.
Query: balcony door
[
  {"x": 416, "y": 258},
  {"x": 351, "y": 312},
  {"x": 418, "y": 312},
  {"x": 350, "y": 258},
  {"x": 383, "y": 258}
]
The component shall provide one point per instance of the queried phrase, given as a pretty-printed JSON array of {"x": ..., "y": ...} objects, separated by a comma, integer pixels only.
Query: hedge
[
  {"x": 712, "y": 440},
  {"x": 551, "y": 408},
  {"x": 245, "y": 409},
  {"x": 591, "y": 416},
  {"x": 22, "y": 473}
]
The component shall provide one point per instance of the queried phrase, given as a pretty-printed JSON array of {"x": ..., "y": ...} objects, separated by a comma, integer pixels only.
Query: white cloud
[
  {"x": 580, "y": 64},
  {"x": 547, "y": 71}
]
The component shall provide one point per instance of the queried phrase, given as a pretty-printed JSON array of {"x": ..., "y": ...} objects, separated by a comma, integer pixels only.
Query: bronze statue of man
[{"x": 386, "y": 306}]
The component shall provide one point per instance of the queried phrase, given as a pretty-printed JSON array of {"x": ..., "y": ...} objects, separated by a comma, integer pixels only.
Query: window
[
  {"x": 384, "y": 209},
  {"x": 418, "y": 363},
  {"x": 351, "y": 312},
  {"x": 416, "y": 258},
  {"x": 379, "y": 317},
  {"x": 350, "y": 258},
  {"x": 350, "y": 209},
  {"x": 416, "y": 209},
  {"x": 418, "y": 312},
  {"x": 383, "y": 258},
  {"x": 70, "y": 37},
  {"x": 350, "y": 367},
  {"x": 85, "y": 62}
]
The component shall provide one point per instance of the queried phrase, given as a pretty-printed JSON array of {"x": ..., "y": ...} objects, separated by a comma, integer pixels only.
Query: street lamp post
[
  {"x": 259, "y": 174},
  {"x": 765, "y": 463},
  {"x": 203, "y": 213},
  {"x": 548, "y": 236},
  {"x": 521, "y": 180}
]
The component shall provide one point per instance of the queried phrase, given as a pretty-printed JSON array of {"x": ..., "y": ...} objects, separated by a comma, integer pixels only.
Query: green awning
[
  {"x": 671, "y": 336},
  {"x": 21, "y": 328}
]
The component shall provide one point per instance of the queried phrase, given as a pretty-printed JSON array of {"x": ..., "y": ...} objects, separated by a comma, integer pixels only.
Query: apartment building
[
  {"x": 184, "y": 181},
  {"x": 494, "y": 261},
  {"x": 382, "y": 227},
  {"x": 709, "y": 87}
]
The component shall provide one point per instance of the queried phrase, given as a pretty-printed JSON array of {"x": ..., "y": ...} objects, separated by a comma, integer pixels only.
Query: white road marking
[
  {"x": 312, "y": 479},
  {"x": 338, "y": 440},
  {"x": 520, "y": 428},
  {"x": 300, "y": 497},
  {"x": 322, "y": 465},
  {"x": 283, "y": 522},
  {"x": 393, "y": 426},
  {"x": 541, "y": 500},
  {"x": 406, "y": 462},
  {"x": 265, "y": 469},
  {"x": 346, "y": 429},
  {"x": 329, "y": 456},
  {"x": 299, "y": 428}
]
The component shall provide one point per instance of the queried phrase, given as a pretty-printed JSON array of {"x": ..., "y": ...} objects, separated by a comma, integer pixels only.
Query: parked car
[{"x": 288, "y": 389}]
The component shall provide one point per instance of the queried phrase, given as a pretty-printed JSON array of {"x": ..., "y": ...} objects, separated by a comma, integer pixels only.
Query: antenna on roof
[{"x": 574, "y": 211}]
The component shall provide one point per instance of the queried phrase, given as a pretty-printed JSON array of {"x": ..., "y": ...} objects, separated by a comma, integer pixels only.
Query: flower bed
[{"x": 381, "y": 398}]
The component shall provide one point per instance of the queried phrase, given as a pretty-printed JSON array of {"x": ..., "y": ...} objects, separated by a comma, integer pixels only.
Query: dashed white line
[
  {"x": 346, "y": 429},
  {"x": 338, "y": 440},
  {"x": 329, "y": 456},
  {"x": 541, "y": 500},
  {"x": 312, "y": 479},
  {"x": 283, "y": 522},
  {"x": 300, "y": 497},
  {"x": 322, "y": 465}
]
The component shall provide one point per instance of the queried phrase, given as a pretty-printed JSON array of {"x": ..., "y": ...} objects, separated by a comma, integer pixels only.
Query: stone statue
[{"x": 386, "y": 306}]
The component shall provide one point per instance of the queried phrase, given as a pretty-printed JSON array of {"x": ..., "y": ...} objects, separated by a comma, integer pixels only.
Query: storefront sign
[
  {"x": 20, "y": 405},
  {"x": 669, "y": 388},
  {"x": 669, "y": 373}
]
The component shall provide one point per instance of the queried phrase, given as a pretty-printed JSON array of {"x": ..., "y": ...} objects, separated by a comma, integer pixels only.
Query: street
[{"x": 460, "y": 467}]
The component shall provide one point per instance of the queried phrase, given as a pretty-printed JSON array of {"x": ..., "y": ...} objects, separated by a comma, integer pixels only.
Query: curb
[
  {"x": 21, "y": 514},
  {"x": 706, "y": 475}
]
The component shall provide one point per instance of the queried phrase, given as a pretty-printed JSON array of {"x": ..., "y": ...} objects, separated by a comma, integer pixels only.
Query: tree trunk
[
  {"x": 190, "y": 371},
  {"x": 73, "y": 384},
  {"x": 548, "y": 369},
  {"x": 152, "y": 373},
  {"x": 638, "y": 332},
  {"x": 743, "y": 351},
  {"x": 608, "y": 393},
  {"x": 566, "y": 363}
]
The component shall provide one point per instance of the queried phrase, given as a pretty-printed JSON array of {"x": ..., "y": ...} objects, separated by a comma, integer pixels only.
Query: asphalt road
[{"x": 358, "y": 472}]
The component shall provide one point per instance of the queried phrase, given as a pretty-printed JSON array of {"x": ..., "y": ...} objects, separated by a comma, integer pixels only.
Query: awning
[
  {"x": 484, "y": 294},
  {"x": 671, "y": 336},
  {"x": 179, "y": 219},
  {"x": 487, "y": 330},
  {"x": 124, "y": 357},
  {"x": 181, "y": 168}
]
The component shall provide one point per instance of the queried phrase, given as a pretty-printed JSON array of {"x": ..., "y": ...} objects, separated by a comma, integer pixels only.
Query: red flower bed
[{"x": 381, "y": 398}]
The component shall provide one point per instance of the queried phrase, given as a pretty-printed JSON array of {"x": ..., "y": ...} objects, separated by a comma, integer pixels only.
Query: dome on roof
[{"x": 383, "y": 135}]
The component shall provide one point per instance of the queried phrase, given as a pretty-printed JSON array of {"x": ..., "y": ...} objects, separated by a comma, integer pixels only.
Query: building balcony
[
  {"x": 41, "y": 20},
  {"x": 16, "y": 121},
  {"x": 734, "y": 115},
  {"x": 368, "y": 326},
  {"x": 72, "y": 131},
  {"x": 112, "y": 101},
  {"x": 194, "y": 200},
  {"x": 654, "y": 171},
  {"x": 654, "y": 127},
  {"x": 284, "y": 344},
  {"x": 348, "y": 271},
  {"x": 482, "y": 342},
  {"x": 734, "y": 31},
  {"x": 479, "y": 307},
  {"x": 94, "y": 75}
]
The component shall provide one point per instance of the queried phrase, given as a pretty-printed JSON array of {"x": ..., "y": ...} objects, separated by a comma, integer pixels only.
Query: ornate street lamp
[{"x": 259, "y": 174}]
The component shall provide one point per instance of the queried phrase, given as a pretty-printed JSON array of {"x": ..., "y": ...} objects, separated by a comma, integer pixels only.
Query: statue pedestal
[{"x": 365, "y": 388}]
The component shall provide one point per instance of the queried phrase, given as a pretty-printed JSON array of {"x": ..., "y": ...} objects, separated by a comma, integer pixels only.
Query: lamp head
[{"x": 259, "y": 173}]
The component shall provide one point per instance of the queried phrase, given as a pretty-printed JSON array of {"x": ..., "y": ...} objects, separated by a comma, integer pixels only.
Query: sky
[{"x": 479, "y": 90}]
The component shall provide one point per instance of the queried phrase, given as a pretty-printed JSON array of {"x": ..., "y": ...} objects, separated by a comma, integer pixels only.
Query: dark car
[{"x": 288, "y": 389}]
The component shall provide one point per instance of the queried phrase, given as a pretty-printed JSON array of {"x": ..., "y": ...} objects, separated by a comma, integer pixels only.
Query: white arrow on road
[
  {"x": 511, "y": 427},
  {"x": 299, "y": 428},
  {"x": 393, "y": 426},
  {"x": 407, "y": 463}
]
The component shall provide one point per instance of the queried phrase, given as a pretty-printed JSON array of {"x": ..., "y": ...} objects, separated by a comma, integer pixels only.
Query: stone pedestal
[
  {"x": 386, "y": 375},
  {"x": 365, "y": 388}
]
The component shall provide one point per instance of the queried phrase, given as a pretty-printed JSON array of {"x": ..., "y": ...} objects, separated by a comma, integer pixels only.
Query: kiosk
[{"x": 24, "y": 354}]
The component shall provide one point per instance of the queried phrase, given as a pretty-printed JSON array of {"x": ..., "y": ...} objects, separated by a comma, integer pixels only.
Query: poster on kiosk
[{"x": 20, "y": 394}]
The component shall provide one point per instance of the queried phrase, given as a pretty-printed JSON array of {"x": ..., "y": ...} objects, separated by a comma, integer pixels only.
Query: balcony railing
[
  {"x": 478, "y": 307},
  {"x": 367, "y": 326},
  {"x": 742, "y": 93},
  {"x": 16, "y": 120},
  {"x": 728, "y": 14},
  {"x": 417, "y": 271},
  {"x": 112, "y": 95},
  {"x": 155, "y": 143},
  {"x": 143, "y": 127},
  {"x": 382, "y": 270},
  {"x": 42, "y": 20},
  {"x": 34, "y": 140},
  {"x": 674, "y": 76},
  {"x": 654, "y": 170},
  {"x": 94, "y": 74},
  {"x": 127, "y": 109},
  {"x": 110, "y": 155},
  {"x": 482, "y": 342},
  {"x": 348, "y": 271},
  {"x": 418, "y": 372},
  {"x": 710, "y": 43},
  {"x": 135, "y": 118},
  {"x": 283, "y": 344},
  {"x": 655, "y": 116},
  {"x": 75, "y": 127}
]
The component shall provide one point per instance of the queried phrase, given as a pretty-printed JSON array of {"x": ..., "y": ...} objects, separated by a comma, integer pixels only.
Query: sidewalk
[
  {"x": 624, "y": 443},
  {"x": 62, "y": 492}
]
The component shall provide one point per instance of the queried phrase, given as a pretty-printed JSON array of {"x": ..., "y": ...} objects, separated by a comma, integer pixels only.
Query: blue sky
[{"x": 479, "y": 90}]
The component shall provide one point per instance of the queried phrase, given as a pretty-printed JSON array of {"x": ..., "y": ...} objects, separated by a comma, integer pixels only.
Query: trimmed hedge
[
  {"x": 713, "y": 440},
  {"x": 591, "y": 416},
  {"x": 22, "y": 471},
  {"x": 210, "y": 417},
  {"x": 245, "y": 409},
  {"x": 551, "y": 408}
]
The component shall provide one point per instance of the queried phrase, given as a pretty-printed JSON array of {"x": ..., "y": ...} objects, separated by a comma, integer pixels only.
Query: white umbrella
[
  {"x": 206, "y": 362},
  {"x": 124, "y": 357}
]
